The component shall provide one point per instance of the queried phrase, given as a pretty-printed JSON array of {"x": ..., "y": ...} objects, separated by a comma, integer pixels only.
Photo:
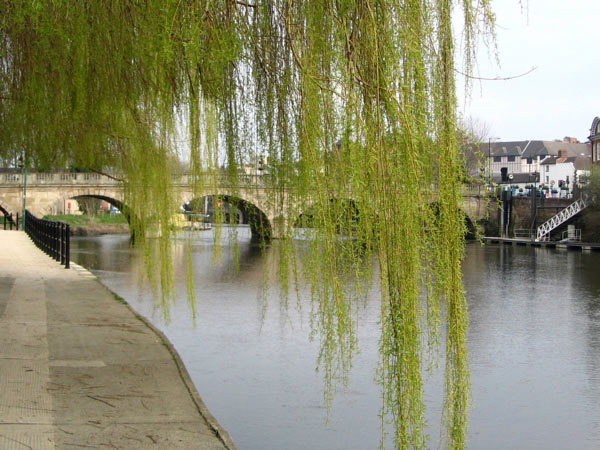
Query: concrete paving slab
[
  {"x": 114, "y": 391},
  {"x": 27, "y": 437},
  {"x": 6, "y": 284},
  {"x": 123, "y": 343},
  {"x": 82, "y": 294},
  {"x": 28, "y": 302},
  {"x": 78, "y": 369},
  {"x": 137, "y": 436},
  {"x": 23, "y": 394},
  {"x": 23, "y": 341}
]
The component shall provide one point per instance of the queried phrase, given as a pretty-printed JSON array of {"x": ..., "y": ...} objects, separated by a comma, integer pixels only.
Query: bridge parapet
[
  {"x": 475, "y": 190},
  {"x": 57, "y": 179},
  {"x": 12, "y": 179},
  {"x": 211, "y": 181}
]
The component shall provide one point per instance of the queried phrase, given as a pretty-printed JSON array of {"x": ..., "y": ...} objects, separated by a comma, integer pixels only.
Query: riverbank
[
  {"x": 81, "y": 369},
  {"x": 94, "y": 225},
  {"x": 587, "y": 221},
  {"x": 99, "y": 230},
  {"x": 573, "y": 245}
]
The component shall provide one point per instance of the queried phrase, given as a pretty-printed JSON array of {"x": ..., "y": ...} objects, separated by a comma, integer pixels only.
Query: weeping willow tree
[{"x": 350, "y": 99}]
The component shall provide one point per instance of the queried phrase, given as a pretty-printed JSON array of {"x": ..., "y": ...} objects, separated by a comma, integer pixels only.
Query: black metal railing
[
  {"x": 9, "y": 221},
  {"x": 52, "y": 237}
]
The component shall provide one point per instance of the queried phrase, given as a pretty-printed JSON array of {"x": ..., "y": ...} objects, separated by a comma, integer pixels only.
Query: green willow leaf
[{"x": 350, "y": 104}]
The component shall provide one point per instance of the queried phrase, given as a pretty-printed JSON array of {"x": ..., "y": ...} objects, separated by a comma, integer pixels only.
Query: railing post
[
  {"x": 62, "y": 242},
  {"x": 48, "y": 227},
  {"x": 55, "y": 252},
  {"x": 56, "y": 241},
  {"x": 68, "y": 246}
]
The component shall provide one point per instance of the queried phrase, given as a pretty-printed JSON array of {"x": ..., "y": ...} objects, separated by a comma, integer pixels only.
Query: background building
[
  {"x": 527, "y": 156},
  {"x": 595, "y": 139}
]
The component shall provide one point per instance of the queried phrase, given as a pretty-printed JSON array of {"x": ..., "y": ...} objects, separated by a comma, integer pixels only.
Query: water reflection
[
  {"x": 531, "y": 346},
  {"x": 534, "y": 346}
]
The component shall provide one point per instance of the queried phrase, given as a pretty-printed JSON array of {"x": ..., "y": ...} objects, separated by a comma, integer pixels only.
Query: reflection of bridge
[{"x": 49, "y": 193}]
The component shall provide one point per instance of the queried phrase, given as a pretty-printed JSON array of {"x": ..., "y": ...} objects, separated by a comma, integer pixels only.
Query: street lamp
[
  {"x": 535, "y": 180},
  {"x": 23, "y": 166}
]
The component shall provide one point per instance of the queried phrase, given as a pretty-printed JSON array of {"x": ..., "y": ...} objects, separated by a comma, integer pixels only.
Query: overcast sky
[{"x": 561, "y": 97}]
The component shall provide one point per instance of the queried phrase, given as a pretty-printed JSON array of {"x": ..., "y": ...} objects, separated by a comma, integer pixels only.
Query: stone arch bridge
[{"x": 50, "y": 193}]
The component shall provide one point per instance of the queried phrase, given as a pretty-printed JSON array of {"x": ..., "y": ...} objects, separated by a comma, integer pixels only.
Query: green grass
[
  {"x": 83, "y": 220},
  {"x": 119, "y": 299}
]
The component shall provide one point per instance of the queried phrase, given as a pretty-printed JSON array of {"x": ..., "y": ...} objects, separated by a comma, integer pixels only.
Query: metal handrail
[
  {"x": 9, "y": 220},
  {"x": 52, "y": 237},
  {"x": 572, "y": 235},
  {"x": 524, "y": 233},
  {"x": 543, "y": 231}
]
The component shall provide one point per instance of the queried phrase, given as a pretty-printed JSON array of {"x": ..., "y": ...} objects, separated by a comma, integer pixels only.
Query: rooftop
[{"x": 534, "y": 148}]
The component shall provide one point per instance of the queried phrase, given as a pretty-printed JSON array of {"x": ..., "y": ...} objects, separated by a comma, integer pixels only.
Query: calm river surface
[{"x": 534, "y": 344}]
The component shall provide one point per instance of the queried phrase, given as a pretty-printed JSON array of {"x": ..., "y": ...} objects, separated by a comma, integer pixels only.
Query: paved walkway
[{"x": 78, "y": 370}]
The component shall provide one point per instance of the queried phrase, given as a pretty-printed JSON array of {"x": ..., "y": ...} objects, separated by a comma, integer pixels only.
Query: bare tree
[
  {"x": 472, "y": 134},
  {"x": 89, "y": 205}
]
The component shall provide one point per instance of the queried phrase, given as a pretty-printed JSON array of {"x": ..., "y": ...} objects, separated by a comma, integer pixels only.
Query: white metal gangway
[{"x": 543, "y": 231}]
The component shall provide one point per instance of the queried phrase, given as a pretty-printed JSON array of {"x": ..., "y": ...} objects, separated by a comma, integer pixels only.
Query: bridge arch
[
  {"x": 350, "y": 207},
  {"x": 469, "y": 223},
  {"x": 235, "y": 210},
  {"x": 471, "y": 229},
  {"x": 125, "y": 210},
  {"x": 345, "y": 208},
  {"x": 113, "y": 201}
]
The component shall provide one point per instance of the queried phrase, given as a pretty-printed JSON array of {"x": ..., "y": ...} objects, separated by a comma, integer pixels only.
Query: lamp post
[
  {"x": 533, "y": 192},
  {"x": 23, "y": 166}
]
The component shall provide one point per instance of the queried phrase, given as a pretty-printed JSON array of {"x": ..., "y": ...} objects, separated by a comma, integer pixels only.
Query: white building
[{"x": 561, "y": 173}]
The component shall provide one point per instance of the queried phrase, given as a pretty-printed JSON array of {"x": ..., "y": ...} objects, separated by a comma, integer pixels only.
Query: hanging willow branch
[{"x": 353, "y": 102}]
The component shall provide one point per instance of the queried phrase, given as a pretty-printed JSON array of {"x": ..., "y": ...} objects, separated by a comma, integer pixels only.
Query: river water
[{"x": 534, "y": 344}]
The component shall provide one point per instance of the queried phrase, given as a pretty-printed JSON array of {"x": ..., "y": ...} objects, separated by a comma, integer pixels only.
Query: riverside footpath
[{"x": 79, "y": 369}]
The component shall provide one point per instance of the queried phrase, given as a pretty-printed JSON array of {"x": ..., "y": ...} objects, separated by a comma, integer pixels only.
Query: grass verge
[{"x": 82, "y": 220}]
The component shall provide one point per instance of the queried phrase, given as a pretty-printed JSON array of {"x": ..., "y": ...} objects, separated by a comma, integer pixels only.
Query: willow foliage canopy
[{"x": 350, "y": 99}]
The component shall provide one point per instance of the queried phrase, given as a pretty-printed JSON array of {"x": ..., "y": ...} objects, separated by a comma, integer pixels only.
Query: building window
[
  {"x": 511, "y": 159},
  {"x": 529, "y": 160},
  {"x": 497, "y": 158}
]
